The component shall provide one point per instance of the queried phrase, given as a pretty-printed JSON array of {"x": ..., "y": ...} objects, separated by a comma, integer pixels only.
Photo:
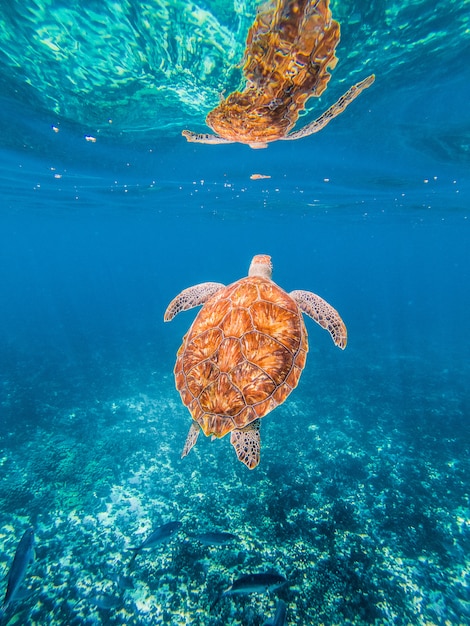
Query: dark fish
[
  {"x": 123, "y": 582},
  {"x": 23, "y": 556},
  {"x": 253, "y": 583},
  {"x": 159, "y": 535},
  {"x": 280, "y": 615},
  {"x": 104, "y": 601},
  {"x": 215, "y": 538}
]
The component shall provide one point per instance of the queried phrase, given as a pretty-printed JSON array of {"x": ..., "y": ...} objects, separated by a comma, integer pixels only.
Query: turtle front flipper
[
  {"x": 335, "y": 109},
  {"x": 203, "y": 138},
  {"x": 322, "y": 313},
  {"x": 191, "y": 439},
  {"x": 247, "y": 444},
  {"x": 191, "y": 297}
]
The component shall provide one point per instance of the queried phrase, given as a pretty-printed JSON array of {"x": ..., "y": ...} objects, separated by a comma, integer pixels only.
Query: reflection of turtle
[
  {"x": 244, "y": 353},
  {"x": 289, "y": 49}
]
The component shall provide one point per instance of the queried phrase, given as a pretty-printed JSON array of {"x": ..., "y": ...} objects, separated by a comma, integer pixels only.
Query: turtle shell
[{"x": 242, "y": 356}]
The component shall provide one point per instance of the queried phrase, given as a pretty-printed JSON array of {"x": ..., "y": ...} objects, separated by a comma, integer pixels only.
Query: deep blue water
[{"x": 361, "y": 499}]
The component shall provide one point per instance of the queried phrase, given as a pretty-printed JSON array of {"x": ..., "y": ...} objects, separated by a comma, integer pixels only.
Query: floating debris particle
[{"x": 259, "y": 176}]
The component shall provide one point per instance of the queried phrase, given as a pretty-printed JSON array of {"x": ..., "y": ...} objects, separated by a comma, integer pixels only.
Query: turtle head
[{"x": 261, "y": 266}]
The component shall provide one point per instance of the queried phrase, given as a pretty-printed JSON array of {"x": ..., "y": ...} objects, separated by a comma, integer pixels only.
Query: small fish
[
  {"x": 23, "y": 556},
  {"x": 159, "y": 535},
  {"x": 215, "y": 538},
  {"x": 253, "y": 583},
  {"x": 279, "y": 618}
]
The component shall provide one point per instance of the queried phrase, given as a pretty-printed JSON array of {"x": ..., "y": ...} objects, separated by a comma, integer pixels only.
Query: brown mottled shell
[
  {"x": 242, "y": 356},
  {"x": 289, "y": 48}
]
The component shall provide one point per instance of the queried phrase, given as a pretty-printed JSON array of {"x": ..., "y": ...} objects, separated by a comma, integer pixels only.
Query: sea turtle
[
  {"x": 244, "y": 353},
  {"x": 289, "y": 49}
]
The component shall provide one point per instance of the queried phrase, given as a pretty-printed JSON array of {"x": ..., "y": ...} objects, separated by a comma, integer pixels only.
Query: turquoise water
[{"x": 361, "y": 499}]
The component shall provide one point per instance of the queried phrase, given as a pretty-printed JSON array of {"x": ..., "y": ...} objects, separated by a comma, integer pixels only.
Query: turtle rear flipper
[
  {"x": 247, "y": 444},
  {"x": 191, "y": 439}
]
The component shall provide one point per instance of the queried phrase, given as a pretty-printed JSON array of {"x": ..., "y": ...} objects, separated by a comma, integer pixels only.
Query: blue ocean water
[{"x": 361, "y": 499}]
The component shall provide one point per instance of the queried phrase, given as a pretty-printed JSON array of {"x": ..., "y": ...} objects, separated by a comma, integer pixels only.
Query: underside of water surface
[{"x": 153, "y": 68}]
